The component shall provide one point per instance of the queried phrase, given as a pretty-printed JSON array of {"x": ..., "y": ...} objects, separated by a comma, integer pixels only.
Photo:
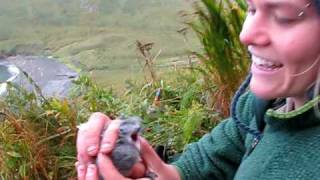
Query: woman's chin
[{"x": 263, "y": 92}]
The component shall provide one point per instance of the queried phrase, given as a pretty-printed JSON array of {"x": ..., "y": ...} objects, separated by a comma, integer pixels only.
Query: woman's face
[{"x": 283, "y": 37}]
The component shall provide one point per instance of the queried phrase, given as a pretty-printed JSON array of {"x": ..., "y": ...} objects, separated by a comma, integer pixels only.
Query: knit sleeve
[{"x": 218, "y": 154}]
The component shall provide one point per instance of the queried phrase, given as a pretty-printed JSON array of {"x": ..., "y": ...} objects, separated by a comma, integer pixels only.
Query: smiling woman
[
  {"x": 282, "y": 37},
  {"x": 273, "y": 133}
]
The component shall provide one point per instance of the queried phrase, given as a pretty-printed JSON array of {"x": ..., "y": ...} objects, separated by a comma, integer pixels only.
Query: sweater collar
[{"x": 304, "y": 116}]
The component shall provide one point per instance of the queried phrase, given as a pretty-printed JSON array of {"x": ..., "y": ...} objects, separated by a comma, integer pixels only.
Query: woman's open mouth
[{"x": 265, "y": 65}]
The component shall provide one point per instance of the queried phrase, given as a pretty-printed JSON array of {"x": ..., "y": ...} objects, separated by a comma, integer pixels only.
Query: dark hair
[{"x": 317, "y": 4}]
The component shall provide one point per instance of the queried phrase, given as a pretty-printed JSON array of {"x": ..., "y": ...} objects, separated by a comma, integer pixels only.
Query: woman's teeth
[{"x": 266, "y": 64}]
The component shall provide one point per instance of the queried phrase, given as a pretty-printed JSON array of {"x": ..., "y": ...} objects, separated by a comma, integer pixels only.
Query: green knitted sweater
[{"x": 289, "y": 149}]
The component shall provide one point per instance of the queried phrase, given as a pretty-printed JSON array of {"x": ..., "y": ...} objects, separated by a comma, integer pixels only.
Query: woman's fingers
[
  {"x": 88, "y": 140},
  {"x": 81, "y": 171},
  {"x": 150, "y": 161},
  {"x": 150, "y": 157},
  {"x": 110, "y": 137},
  {"x": 90, "y": 144},
  {"x": 155, "y": 165},
  {"x": 107, "y": 169},
  {"x": 137, "y": 171},
  {"x": 92, "y": 172}
]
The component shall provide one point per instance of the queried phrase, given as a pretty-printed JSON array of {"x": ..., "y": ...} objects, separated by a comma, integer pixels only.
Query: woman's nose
[{"x": 255, "y": 32}]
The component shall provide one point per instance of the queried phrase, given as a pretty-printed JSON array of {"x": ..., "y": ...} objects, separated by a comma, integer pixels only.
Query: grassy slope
[{"x": 102, "y": 41}]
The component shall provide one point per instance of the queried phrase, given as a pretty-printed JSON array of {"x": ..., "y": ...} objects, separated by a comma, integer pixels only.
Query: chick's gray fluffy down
[
  {"x": 124, "y": 156},
  {"x": 126, "y": 152}
]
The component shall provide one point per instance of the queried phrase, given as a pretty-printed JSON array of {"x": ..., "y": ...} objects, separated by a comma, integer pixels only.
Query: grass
[
  {"x": 38, "y": 134},
  {"x": 224, "y": 59},
  {"x": 37, "y": 137},
  {"x": 93, "y": 42}
]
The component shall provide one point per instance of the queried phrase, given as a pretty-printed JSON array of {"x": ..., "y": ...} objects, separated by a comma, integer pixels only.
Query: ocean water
[{"x": 4, "y": 73}]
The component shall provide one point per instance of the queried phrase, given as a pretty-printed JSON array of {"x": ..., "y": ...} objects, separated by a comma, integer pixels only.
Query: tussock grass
[
  {"x": 224, "y": 60},
  {"x": 38, "y": 134}
]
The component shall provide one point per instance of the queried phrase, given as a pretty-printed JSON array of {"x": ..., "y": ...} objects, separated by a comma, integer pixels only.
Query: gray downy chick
[{"x": 126, "y": 152}]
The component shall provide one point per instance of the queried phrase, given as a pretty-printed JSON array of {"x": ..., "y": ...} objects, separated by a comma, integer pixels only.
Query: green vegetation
[
  {"x": 37, "y": 134},
  {"x": 96, "y": 36},
  {"x": 224, "y": 60}
]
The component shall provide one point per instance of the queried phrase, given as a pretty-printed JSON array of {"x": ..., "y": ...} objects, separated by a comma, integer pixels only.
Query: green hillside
[{"x": 96, "y": 36}]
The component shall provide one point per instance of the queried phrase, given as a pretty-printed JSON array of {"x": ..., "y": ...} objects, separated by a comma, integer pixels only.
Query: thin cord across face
[
  {"x": 314, "y": 64},
  {"x": 316, "y": 86}
]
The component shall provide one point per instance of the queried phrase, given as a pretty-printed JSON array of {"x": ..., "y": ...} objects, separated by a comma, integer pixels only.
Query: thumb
[
  {"x": 150, "y": 157},
  {"x": 155, "y": 164}
]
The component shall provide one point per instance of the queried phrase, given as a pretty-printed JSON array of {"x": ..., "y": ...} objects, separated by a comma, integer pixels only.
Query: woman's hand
[
  {"x": 151, "y": 160},
  {"x": 89, "y": 148},
  {"x": 89, "y": 141}
]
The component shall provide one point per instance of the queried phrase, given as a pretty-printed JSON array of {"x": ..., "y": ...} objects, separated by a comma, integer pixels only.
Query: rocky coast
[{"x": 53, "y": 77}]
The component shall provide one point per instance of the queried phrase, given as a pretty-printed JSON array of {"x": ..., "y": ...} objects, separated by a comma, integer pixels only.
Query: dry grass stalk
[{"x": 145, "y": 51}]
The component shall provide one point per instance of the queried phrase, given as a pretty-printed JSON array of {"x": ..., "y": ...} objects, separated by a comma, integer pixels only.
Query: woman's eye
[{"x": 284, "y": 20}]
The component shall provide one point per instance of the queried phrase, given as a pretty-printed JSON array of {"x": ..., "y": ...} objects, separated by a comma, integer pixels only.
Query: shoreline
[{"x": 53, "y": 77}]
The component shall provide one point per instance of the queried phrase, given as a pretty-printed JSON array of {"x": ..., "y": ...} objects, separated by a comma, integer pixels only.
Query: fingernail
[
  {"x": 92, "y": 149},
  {"x": 81, "y": 169},
  {"x": 91, "y": 169},
  {"x": 114, "y": 125},
  {"x": 76, "y": 164},
  {"x": 105, "y": 148}
]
